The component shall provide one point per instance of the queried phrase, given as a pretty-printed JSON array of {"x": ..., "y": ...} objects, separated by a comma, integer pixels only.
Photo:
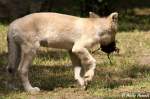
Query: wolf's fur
[{"x": 55, "y": 30}]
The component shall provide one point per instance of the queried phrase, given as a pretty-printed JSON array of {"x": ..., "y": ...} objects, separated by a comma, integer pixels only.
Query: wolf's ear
[
  {"x": 114, "y": 17},
  {"x": 93, "y": 15}
]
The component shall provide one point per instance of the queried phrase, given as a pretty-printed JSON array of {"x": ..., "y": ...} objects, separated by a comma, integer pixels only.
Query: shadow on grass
[
  {"x": 109, "y": 77},
  {"x": 53, "y": 54},
  {"x": 45, "y": 77},
  {"x": 51, "y": 77}
]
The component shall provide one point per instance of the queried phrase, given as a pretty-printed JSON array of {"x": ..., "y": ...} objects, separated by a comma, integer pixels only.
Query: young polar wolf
[{"x": 75, "y": 34}]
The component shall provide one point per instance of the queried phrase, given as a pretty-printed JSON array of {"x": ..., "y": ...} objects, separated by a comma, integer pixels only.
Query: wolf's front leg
[
  {"x": 86, "y": 60},
  {"x": 78, "y": 69},
  {"x": 27, "y": 55}
]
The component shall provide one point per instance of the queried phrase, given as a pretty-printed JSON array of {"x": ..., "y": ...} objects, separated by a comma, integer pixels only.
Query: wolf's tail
[{"x": 13, "y": 54}]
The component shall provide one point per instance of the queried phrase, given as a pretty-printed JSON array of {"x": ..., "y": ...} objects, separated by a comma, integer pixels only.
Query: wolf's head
[{"x": 106, "y": 29}]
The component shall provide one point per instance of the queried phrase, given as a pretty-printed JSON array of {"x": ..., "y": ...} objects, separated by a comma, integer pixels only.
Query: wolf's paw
[
  {"x": 89, "y": 75},
  {"x": 33, "y": 90},
  {"x": 80, "y": 80}
]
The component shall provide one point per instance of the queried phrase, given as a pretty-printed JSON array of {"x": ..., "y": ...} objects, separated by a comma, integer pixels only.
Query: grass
[{"x": 128, "y": 76}]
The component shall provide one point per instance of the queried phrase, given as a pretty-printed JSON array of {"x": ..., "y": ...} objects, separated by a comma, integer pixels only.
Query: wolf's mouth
[{"x": 110, "y": 48}]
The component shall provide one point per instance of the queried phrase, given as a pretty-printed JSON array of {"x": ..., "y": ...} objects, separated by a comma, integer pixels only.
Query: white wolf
[{"x": 75, "y": 34}]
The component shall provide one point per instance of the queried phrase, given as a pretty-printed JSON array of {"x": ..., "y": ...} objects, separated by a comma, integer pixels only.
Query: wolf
[{"x": 75, "y": 34}]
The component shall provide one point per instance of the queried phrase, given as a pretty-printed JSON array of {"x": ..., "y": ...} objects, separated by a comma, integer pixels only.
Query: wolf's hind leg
[
  {"x": 13, "y": 55},
  {"x": 27, "y": 55},
  {"x": 13, "y": 62}
]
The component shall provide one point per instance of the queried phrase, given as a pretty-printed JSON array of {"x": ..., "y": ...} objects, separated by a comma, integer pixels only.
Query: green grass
[{"x": 52, "y": 71}]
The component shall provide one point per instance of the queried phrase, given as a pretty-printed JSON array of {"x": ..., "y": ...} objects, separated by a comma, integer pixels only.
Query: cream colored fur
[{"x": 61, "y": 31}]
